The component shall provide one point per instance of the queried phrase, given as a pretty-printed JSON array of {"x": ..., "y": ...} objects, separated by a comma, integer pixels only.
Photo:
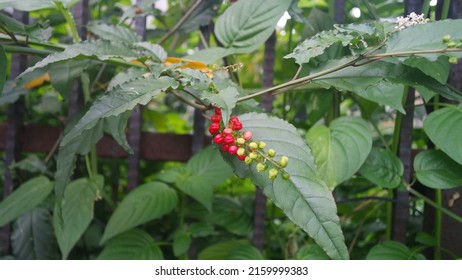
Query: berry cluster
[
  {"x": 452, "y": 44},
  {"x": 236, "y": 142}
]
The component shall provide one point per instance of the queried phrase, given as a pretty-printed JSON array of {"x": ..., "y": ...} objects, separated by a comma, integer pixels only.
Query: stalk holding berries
[{"x": 236, "y": 142}]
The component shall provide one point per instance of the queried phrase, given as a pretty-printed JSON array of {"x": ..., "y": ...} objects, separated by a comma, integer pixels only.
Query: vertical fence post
[
  {"x": 15, "y": 113},
  {"x": 258, "y": 236},
  {"x": 134, "y": 123}
]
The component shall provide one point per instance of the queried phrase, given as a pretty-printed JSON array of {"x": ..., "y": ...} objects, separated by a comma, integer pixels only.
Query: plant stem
[
  {"x": 69, "y": 20},
  {"x": 438, "y": 223},
  {"x": 187, "y": 101},
  {"x": 445, "y": 10},
  {"x": 436, "y": 206},
  {"x": 426, "y": 7},
  {"x": 180, "y": 22},
  {"x": 383, "y": 55},
  {"x": 26, "y": 50}
]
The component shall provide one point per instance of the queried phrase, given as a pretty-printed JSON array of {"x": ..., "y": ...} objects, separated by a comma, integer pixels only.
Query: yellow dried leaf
[
  {"x": 37, "y": 81},
  {"x": 188, "y": 63}
]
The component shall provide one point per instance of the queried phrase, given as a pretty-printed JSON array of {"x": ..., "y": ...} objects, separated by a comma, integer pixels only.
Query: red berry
[
  {"x": 225, "y": 147},
  {"x": 242, "y": 157},
  {"x": 247, "y": 135},
  {"x": 229, "y": 139},
  {"x": 216, "y": 118},
  {"x": 233, "y": 149},
  {"x": 218, "y": 139},
  {"x": 218, "y": 111},
  {"x": 233, "y": 119},
  {"x": 237, "y": 126},
  {"x": 138, "y": 11},
  {"x": 227, "y": 131},
  {"x": 213, "y": 128}
]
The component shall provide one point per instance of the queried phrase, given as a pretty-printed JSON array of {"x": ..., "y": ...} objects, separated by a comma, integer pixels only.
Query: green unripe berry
[
  {"x": 261, "y": 167},
  {"x": 248, "y": 160},
  {"x": 262, "y": 145},
  {"x": 253, "y": 145},
  {"x": 273, "y": 173},
  {"x": 285, "y": 176},
  {"x": 451, "y": 44},
  {"x": 271, "y": 153},
  {"x": 283, "y": 161},
  {"x": 253, "y": 155},
  {"x": 446, "y": 38},
  {"x": 453, "y": 60},
  {"x": 240, "y": 141},
  {"x": 240, "y": 151}
]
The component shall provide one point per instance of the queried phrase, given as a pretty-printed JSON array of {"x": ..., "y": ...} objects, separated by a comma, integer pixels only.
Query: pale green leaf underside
[
  {"x": 30, "y": 5},
  {"x": 114, "y": 33},
  {"x": 436, "y": 170},
  {"x": 340, "y": 150},
  {"x": 226, "y": 100},
  {"x": 143, "y": 204},
  {"x": 444, "y": 128},
  {"x": 305, "y": 198}
]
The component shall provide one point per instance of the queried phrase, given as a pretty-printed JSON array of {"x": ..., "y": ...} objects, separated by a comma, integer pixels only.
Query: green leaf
[
  {"x": 436, "y": 170},
  {"x": 11, "y": 93},
  {"x": 383, "y": 168},
  {"x": 230, "y": 250},
  {"x": 30, "y": 5},
  {"x": 210, "y": 55},
  {"x": 438, "y": 70},
  {"x": 132, "y": 245},
  {"x": 154, "y": 51},
  {"x": 340, "y": 150},
  {"x": 201, "y": 16},
  {"x": 245, "y": 25},
  {"x": 12, "y": 25},
  {"x": 311, "y": 252},
  {"x": 25, "y": 198},
  {"x": 77, "y": 212},
  {"x": 305, "y": 197},
  {"x": 3, "y": 69},
  {"x": 378, "y": 90},
  {"x": 32, "y": 163},
  {"x": 200, "y": 229},
  {"x": 317, "y": 45},
  {"x": 33, "y": 237},
  {"x": 116, "y": 127},
  {"x": 391, "y": 250},
  {"x": 119, "y": 100},
  {"x": 181, "y": 243},
  {"x": 444, "y": 128},
  {"x": 423, "y": 37},
  {"x": 63, "y": 74},
  {"x": 226, "y": 99},
  {"x": 204, "y": 170},
  {"x": 100, "y": 49},
  {"x": 143, "y": 204},
  {"x": 114, "y": 33}
]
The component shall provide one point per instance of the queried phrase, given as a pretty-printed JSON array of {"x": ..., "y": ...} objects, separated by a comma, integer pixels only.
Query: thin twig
[
  {"x": 180, "y": 22},
  {"x": 54, "y": 148},
  {"x": 297, "y": 73},
  {"x": 187, "y": 101},
  {"x": 195, "y": 97}
]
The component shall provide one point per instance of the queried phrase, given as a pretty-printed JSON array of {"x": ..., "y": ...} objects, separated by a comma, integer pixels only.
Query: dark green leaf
[
  {"x": 201, "y": 16},
  {"x": 425, "y": 239},
  {"x": 444, "y": 128},
  {"x": 230, "y": 250},
  {"x": 226, "y": 99},
  {"x": 114, "y": 33},
  {"x": 32, "y": 163},
  {"x": 181, "y": 243},
  {"x": 311, "y": 252},
  {"x": 77, "y": 212},
  {"x": 25, "y": 198},
  {"x": 119, "y": 100},
  {"x": 305, "y": 197},
  {"x": 100, "y": 49},
  {"x": 245, "y": 25},
  {"x": 436, "y": 170},
  {"x": 391, "y": 250},
  {"x": 200, "y": 229},
  {"x": 152, "y": 50},
  {"x": 116, "y": 127},
  {"x": 438, "y": 70},
  {"x": 143, "y": 204},
  {"x": 341, "y": 149},
  {"x": 12, "y": 25},
  {"x": 383, "y": 168},
  {"x": 132, "y": 245},
  {"x": 32, "y": 237},
  {"x": 63, "y": 74},
  {"x": 3, "y": 69}
]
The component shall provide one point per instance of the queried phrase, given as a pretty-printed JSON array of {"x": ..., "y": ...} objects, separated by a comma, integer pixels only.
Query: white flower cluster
[{"x": 412, "y": 19}]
